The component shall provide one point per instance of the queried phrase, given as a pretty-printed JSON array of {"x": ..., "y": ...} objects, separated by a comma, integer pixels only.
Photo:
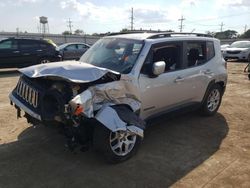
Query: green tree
[
  {"x": 66, "y": 33},
  {"x": 246, "y": 34},
  {"x": 79, "y": 32},
  {"x": 124, "y": 30},
  {"x": 228, "y": 34}
]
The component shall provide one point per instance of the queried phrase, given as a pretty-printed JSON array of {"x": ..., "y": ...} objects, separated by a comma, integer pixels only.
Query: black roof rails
[
  {"x": 169, "y": 34},
  {"x": 125, "y": 32}
]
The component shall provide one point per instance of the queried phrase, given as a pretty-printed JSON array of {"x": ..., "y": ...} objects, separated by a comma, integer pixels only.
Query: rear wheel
[
  {"x": 115, "y": 146},
  {"x": 212, "y": 100},
  {"x": 44, "y": 60}
]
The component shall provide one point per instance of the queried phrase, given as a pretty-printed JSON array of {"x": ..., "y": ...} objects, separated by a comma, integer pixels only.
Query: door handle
[
  {"x": 26, "y": 54},
  {"x": 15, "y": 52},
  {"x": 39, "y": 50},
  {"x": 179, "y": 79}
]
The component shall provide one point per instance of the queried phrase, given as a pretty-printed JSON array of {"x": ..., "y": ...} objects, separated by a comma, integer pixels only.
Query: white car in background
[
  {"x": 239, "y": 50},
  {"x": 224, "y": 46}
]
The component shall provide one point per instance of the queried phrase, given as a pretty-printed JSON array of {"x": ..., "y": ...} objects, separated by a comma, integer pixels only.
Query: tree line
[{"x": 228, "y": 34}]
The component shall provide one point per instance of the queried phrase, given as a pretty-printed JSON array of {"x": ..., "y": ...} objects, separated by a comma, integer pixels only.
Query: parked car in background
[
  {"x": 224, "y": 46},
  {"x": 71, "y": 51},
  {"x": 17, "y": 53},
  {"x": 239, "y": 50}
]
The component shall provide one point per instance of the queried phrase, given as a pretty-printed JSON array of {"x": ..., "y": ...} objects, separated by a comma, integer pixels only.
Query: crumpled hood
[{"x": 74, "y": 71}]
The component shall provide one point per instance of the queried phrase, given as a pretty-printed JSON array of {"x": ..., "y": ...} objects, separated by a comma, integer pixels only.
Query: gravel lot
[{"x": 185, "y": 151}]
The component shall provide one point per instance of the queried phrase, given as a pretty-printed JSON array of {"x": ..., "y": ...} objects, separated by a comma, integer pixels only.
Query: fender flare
[
  {"x": 211, "y": 83},
  {"x": 120, "y": 117}
]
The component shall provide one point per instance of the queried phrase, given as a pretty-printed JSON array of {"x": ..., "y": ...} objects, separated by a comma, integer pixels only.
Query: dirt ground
[{"x": 186, "y": 151}]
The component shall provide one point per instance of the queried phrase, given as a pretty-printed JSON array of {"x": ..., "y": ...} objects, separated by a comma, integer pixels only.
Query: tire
[
  {"x": 43, "y": 61},
  {"x": 212, "y": 100},
  {"x": 102, "y": 143}
]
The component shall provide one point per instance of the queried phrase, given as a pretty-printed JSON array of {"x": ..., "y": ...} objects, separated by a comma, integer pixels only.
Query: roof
[{"x": 153, "y": 35}]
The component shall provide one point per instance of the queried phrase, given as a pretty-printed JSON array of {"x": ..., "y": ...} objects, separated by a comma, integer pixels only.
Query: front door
[{"x": 168, "y": 90}]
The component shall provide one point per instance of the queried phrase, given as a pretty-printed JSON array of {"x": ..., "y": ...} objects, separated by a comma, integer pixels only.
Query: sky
[{"x": 100, "y": 16}]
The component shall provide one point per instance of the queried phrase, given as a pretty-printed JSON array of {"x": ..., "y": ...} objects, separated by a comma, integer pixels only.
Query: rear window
[
  {"x": 210, "y": 50},
  {"x": 8, "y": 44}
]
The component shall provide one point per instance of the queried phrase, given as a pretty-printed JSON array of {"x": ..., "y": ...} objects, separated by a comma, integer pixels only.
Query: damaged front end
[{"x": 78, "y": 96}]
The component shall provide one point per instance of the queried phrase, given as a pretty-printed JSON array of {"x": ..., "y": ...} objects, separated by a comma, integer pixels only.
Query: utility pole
[
  {"x": 17, "y": 31},
  {"x": 245, "y": 28},
  {"x": 70, "y": 26},
  {"x": 132, "y": 19},
  {"x": 221, "y": 26},
  {"x": 181, "y": 26}
]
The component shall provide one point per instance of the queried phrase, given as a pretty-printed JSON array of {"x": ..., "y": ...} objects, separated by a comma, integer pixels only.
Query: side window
[
  {"x": 169, "y": 53},
  {"x": 8, "y": 44},
  {"x": 196, "y": 53},
  {"x": 71, "y": 47},
  {"x": 26, "y": 44},
  {"x": 81, "y": 46},
  {"x": 43, "y": 46},
  {"x": 210, "y": 50}
]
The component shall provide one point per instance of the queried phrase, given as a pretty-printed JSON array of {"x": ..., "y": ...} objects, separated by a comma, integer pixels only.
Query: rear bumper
[{"x": 17, "y": 103}]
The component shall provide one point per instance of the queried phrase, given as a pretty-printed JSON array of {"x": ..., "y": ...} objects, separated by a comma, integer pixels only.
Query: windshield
[
  {"x": 240, "y": 45},
  {"x": 114, "y": 53}
]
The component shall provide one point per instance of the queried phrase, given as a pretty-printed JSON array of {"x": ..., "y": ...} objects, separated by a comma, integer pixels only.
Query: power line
[
  {"x": 225, "y": 16},
  {"x": 181, "y": 26},
  {"x": 132, "y": 19},
  {"x": 70, "y": 25}
]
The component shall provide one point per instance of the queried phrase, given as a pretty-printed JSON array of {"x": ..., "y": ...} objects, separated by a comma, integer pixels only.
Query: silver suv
[{"x": 106, "y": 98}]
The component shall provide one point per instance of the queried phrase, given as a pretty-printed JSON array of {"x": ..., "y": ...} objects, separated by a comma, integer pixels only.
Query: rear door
[
  {"x": 198, "y": 57},
  {"x": 9, "y": 54},
  {"x": 28, "y": 50}
]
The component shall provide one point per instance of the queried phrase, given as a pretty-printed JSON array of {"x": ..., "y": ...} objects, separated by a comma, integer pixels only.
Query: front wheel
[
  {"x": 115, "y": 146},
  {"x": 212, "y": 100}
]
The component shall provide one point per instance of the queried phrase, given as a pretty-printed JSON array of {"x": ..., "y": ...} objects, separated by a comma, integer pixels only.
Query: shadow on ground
[{"x": 172, "y": 148}]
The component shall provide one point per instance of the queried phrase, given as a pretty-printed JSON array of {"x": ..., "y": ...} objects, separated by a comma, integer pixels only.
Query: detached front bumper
[{"x": 20, "y": 105}]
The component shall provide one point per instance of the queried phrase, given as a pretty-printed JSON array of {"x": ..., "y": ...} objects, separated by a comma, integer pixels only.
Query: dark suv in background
[{"x": 17, "y": 53}]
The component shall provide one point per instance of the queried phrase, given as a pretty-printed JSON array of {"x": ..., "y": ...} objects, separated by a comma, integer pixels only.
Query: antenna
[{"x": 181, "y": 26}]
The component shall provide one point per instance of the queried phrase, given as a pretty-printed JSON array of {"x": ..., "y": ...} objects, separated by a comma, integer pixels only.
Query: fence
[
  {"x": 57, "y": 38},
  {"x": 60, "y": 39}
]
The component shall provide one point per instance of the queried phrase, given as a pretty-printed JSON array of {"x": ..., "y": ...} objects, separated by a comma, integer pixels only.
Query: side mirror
[{"x": 158, "y": 68}]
